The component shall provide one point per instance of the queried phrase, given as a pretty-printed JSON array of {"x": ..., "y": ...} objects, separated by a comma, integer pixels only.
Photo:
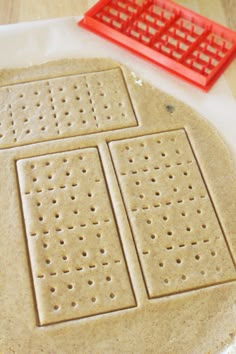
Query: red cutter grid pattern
[{"x": 170, "y": 35}]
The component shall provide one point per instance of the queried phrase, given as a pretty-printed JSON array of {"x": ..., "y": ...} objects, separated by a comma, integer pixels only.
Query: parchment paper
[{"x": 33, "y": 43}]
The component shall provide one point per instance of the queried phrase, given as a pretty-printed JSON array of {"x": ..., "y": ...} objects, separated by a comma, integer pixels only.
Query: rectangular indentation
[
  {"x": 178, "y": 237},
  {"x": 76, "y": 257},
  {"x": 64, "y": 107}
]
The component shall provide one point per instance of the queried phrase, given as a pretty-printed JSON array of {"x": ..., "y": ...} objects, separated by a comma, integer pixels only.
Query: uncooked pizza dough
[{"x": 117, "y": 216}]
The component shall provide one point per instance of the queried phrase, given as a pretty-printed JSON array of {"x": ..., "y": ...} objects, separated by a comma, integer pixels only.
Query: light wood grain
[
  {"x": 12, "y": 11},
  {"x": 9, "y": 11},
  {"x": 230, "y": 12}
]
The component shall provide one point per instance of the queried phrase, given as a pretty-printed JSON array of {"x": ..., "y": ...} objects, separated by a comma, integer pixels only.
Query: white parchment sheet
[{"x": 27, "y": 44}]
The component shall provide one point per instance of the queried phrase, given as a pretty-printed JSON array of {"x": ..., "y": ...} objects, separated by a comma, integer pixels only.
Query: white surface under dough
[{"x": 27, "y": 44}]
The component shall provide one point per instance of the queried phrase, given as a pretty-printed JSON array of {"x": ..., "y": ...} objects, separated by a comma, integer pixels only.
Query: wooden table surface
[{"x": 13, "y": 11}]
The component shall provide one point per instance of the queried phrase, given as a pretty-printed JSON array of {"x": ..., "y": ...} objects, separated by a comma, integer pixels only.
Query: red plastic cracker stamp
[{"x": 186, "y": 44}]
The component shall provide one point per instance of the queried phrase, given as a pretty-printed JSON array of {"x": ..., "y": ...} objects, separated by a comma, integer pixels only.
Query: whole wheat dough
[{"x": 117, "y": 216}]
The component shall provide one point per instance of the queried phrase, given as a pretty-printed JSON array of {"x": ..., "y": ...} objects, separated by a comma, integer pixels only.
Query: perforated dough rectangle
[
  {"x": 76, "y": 257},
  {"x": 64, "y": 107},
  {"x": 178, "y": 237}
]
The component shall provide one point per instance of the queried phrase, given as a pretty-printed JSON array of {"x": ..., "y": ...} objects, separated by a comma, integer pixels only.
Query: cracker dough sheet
[
  {"x": 118, "y": 228},
  {"x": 117, "y": 216}
]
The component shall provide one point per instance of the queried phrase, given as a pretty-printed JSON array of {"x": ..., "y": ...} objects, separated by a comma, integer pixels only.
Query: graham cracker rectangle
[
  {"x": 78, "y": 267},
  {"x": 177, "y": 233},
  {"x": 64, "y": 107}
]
